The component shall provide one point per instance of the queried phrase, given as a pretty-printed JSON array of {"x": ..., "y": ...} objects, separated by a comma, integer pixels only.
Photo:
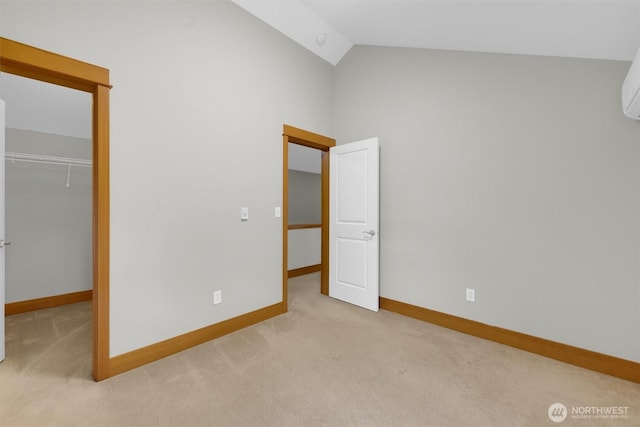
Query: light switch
[
  {"x": 277, "y": 212},
  {"x": 244, "y": 214}
]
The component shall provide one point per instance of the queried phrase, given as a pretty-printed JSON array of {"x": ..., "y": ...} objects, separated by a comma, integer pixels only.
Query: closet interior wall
[
  {"x": 48, "y": 210},
  {"x": 305, "y": 209}
]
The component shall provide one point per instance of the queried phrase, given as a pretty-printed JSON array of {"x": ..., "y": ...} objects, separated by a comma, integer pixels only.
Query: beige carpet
[{"x": 325, "y": 363}]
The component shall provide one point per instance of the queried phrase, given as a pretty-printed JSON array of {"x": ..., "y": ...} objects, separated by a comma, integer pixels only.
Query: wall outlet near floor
[
  {"x": 217, "y": 297},
  {"x": 471, "y": 295}
]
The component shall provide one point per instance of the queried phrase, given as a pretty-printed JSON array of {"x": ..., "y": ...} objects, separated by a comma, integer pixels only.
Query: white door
[
  {"x": 353, "y": 219},
  {"x": 2, "y": 243}
]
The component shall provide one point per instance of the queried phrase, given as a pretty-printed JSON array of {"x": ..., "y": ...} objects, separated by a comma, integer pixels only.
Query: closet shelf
[{"x": 50, "y": 160}]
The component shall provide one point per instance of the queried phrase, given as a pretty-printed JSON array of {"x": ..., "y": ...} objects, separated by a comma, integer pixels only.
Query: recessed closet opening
[
  {"x": 299, "y": 248},
  {"x": 305, "y": 210},
  {"x": 23, "y": 60},
  {"x": 48, "y": 209}
]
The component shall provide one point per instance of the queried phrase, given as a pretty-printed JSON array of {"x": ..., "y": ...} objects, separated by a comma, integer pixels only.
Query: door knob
[
  {"x": 3, "y": 243},
  {"x": 370, "y": 233}
]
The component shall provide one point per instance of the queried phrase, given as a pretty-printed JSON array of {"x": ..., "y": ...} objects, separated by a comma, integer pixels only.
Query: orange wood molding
[
  {"x": 285, "y": 222},
  {"x": 309, "y": 139},
  {"x": 303, "y": 226},
  {"x": 324, "y": 246},
  {"x": 126, "y": 362},
  {"x": 304, "y": 270},
  {"x": 101, "y": 233},
  {"x": 29, "y": 61},
  {"x": 46, "y": 302},
  {"x": 621, "y": 368}
]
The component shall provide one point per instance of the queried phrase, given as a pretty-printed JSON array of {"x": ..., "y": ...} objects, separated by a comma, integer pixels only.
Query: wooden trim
[
  {"x": 308, "y": 139},
  {"x": 28, "y": 61},
  {"x": 126, "y": 362},
  {"x": 588, "y": 359},
  {"x": 304, "y": 270},
  {"x": 303, "y": 226},
  {"x": 101, "y": 221},
  {"x": 294, "y": 135},
  {"x": 46, "y": 302},
  {"x": 324, "y": 246},
  {"x": 285, "y": 221}
]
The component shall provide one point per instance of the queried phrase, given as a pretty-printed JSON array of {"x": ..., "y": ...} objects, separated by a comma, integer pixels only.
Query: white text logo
[{"x": 557, "y": 412}]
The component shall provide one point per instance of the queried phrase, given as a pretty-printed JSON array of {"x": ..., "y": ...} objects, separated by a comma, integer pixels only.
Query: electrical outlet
[
  {"x": 217, "y": 297},
  {"x": 471, "y": 295}
]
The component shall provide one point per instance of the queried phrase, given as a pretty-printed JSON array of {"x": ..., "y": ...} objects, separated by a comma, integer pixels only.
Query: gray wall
[
  {"x": 514, "y": 175},
  {"x": 305, "y": 207},
  {"x": 200, "y": 93},
  {"x": 48, "y": 224},
  {"x": 304, "y": 248},
  {"x": 305, "y": 197}
]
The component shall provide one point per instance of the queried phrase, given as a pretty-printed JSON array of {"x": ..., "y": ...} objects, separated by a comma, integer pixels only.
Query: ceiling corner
[{"x": 302, "y": 25}]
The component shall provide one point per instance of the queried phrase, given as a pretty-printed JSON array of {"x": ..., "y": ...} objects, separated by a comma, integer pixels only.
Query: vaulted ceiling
[
  {"x": 599, "y": 29},
  {"x": 603, "y": 29}
]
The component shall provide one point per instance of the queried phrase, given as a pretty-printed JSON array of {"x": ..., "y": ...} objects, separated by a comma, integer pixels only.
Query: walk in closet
[{"x": 48, "y": 190}]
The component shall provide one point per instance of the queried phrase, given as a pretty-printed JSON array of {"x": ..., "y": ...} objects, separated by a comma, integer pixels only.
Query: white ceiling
[
  {"x": 599, "y": 29},
  {"x": 603, "y": 29}
]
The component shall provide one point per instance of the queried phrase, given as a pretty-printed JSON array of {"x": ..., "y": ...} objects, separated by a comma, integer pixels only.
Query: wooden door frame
[
  {"x": 294, "y": 135},
  {"x": 31, "y": 62}
]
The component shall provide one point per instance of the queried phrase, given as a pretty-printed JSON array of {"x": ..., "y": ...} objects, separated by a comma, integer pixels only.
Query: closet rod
[{"x": 50, "y": 160}]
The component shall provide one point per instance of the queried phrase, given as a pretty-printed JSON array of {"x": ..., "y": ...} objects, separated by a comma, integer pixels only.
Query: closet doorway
[
  {"x": 47, "y": 208},
  {"x": 47, "y": 194},
  {"x": 292, "y": 135},
  {"x": 27, "y": 61}
]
